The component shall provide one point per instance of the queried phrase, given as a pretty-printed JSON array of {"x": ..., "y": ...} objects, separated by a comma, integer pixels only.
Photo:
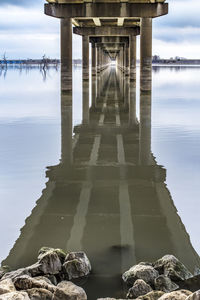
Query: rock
[
  {"x": 176, "y": 295},
  {"x": 154, "y": 295},
  {"x": 144, "y": 272},
  {"x": 139, "y": 288},
  {"x": 6, "y": 286},
  {"x": 43, "y": 278},
  {"x": 164, "y": 283},
  {"x": 194, "y": 296},
  {"x": 50, "y": 263},
  {"x": 4, "y": 270},
  {"x": 35, "y": 270},
  {"x": 26, "y": 282},
  {"x": 109, "y": 299},
  {"x": 39, "y": 294},
  {"x": 67, "y": 290},
  {"x": 170, "y": 266},
  {"x": 61, "y": 254},
  {"x": 14, "y": 274},
  {"x": 15, "y": 296},
  {"x": 76, "y": 265}
]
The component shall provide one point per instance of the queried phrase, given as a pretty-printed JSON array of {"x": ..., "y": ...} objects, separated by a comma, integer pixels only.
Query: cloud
[{"x": 24, "y": 3}]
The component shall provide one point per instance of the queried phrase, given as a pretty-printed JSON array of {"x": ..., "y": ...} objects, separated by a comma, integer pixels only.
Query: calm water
[{"x": 131, "y": 191}]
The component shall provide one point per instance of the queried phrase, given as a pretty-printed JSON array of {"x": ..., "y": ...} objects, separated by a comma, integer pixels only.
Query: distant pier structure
[{"x": 111, "y": 26}]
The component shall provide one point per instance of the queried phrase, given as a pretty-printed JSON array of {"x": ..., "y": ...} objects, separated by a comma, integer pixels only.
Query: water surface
[{"x": 124, "y": 187}]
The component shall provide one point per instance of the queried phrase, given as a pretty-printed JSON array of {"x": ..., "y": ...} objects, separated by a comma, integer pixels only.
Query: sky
[{"x": 25, "y": 32}]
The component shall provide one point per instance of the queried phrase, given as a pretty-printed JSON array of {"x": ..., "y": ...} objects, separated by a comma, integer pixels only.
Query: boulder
[
  {"x": 26, "y": 282},
  {"x": 109, "y": 299},
  {"x": 14, "y": 274},
  {"x": 76, "y": 265},
  {"x": 15, "y": 296},
  {"x": 140, "y": 271},
  {"x": 6, "y": 286},
  {"x": 39, "y": 294},
  {"x": 176, "y": 295},
  {"x": 139, "y": 288},
  {"x": 67, "y": 290},
  {"x": 191, "y": 284},
  {"x": 194, "y": 296},
  {"x": 49, "y": 262},
  {"x": 170, "y": 266},
  {"x": 154, "y": 295},
  {"x": 164, "y": 283},
  {"x": 61, "y": 254}
]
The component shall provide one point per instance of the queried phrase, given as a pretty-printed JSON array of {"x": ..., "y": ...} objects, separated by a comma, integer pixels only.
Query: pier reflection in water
[{"x": 108, "y": 195}]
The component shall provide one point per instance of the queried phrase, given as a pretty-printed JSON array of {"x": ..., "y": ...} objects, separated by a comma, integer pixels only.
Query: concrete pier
[
  {"x": 85, "y": 57},
  {"x": 132, "y": 57},
  {"x": 146, "y": 54},
  {"x": 66, "y": 54},
  {"x": 94, "y": 59}
]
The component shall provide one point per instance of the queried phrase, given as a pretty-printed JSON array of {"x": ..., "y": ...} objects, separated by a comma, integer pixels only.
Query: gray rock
[
  {"x": 26, "y": 282},
  {"x": 76, "y": 265},
  {"x": 194, "y": 296},
  {"x": 50, "y": 263},
  {"x": 109, "y": 299},
  {"x": 43, "y": 278},
  {"x": 61, "y": 253},
  {"x": 144, "y": 272},
  {"x": 15, "y": 296},
  {"x": 39, "y": 294},
  {"x": 139, "y": 288},
  {"x": 6, "y": 286},
  {"x": 67, "y": 290},
  {"x": 154, "y": 295},
  {"x": 164, "y": 283},
  {"x": 176, "y": 295},
  {"x": 170, "y": 266},
  {"x": 14, "y": 274}
]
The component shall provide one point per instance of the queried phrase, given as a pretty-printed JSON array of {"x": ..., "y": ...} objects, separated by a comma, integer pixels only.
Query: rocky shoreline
[{"x": 50, "y": 279}]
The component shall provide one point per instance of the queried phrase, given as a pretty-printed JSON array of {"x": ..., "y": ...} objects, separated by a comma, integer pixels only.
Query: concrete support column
[
  {"x": 132, "y": 104},
  {"x": 85, "y": 99},
  {"x": 146, "y": 54},
  {"x": 66, "y": 54},
  {"x": 132, "y": 57},
  {"x": 145, "y": 129},
  {"x": 94, "y": 90},
  {"x": 127, "y": 61},
  {"x": 93, "y": 59},
  {"x": 85, "y": 57},
  {"x": 98, "y": 58},
  {"x": 66, "y": 91}
]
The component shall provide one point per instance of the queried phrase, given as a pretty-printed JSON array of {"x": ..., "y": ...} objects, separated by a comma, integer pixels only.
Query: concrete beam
[
  {"x": 106, "y": 31},
  {"x": 120, "y": 21},
  {"x": 106, "y": 10},
  {"x": 97, "y": 21}
]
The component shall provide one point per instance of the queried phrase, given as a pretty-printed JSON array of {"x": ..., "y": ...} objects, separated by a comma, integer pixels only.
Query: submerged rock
[
  {"x": 140, "y": 271},
  {"x": 139, "y": 288},
  {"x": 170, "y": 266},
  {"x": 194, "y": 296},
  {"x": 176, "y": 295},
  {"x": 67, "y": 290},
  {"x": 154, "y": 295},
  {"x": 15, "y": 296},
  {"x": 6, "y": 286},
  {"x": 76, "y": 265},
  {"x": 164, "y": 283},
  {"x": 39, "y": 294}
]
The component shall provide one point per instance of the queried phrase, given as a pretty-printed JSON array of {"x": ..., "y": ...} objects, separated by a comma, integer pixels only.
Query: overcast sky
[{"x": 25, "y": 32}]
